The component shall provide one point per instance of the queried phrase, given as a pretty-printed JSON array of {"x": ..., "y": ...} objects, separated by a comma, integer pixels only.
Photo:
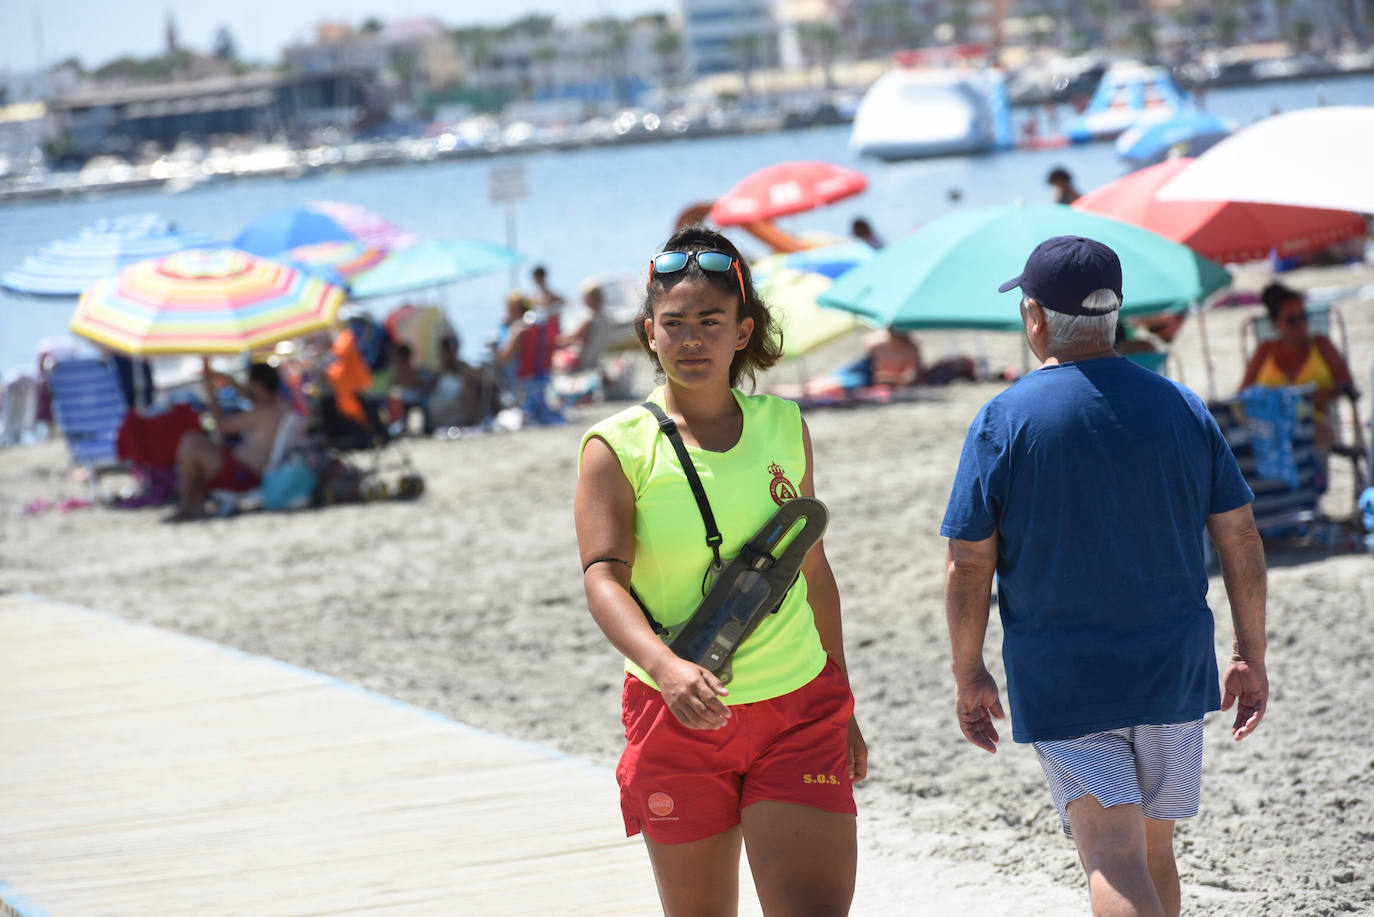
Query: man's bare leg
[
  {"x": 1112, "y": 847},
  {"x": 198, "y": 461},
  {"x": 1159, "y": 851}
]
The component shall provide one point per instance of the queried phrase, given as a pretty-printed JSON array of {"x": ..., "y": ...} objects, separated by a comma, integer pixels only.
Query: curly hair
[{"x": 765, "y": 344}]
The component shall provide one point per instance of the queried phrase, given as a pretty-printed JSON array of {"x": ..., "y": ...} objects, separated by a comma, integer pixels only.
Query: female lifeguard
[{"x": 768, "y": 761}]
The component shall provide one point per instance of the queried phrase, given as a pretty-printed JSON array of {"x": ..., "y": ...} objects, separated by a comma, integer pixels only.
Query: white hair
[{"x": 1096, "y": 331}]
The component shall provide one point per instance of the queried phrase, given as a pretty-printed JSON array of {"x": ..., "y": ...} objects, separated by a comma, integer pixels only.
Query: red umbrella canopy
[
  {"x": 1224, "y": 231},
  {"x": 787, "y": 187}
]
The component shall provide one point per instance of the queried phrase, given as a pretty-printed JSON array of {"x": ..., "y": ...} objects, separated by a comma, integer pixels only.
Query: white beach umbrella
[{"x": 1315, "y": 157}]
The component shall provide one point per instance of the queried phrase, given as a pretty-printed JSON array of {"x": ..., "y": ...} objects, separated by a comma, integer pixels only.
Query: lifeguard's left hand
[{"x": 857, "y": 750}]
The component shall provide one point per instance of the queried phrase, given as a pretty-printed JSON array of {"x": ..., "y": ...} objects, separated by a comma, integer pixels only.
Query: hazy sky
[{"x": 33, "y": 32}]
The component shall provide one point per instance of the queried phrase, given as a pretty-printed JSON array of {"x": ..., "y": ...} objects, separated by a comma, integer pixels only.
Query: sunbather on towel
[{"x": 204, "y": 465}]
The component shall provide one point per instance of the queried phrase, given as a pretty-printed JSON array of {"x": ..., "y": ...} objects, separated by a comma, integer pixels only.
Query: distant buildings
[{"x": 390, "y": 77}]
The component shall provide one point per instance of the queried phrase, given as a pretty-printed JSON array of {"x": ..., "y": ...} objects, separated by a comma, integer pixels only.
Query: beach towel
[{"x": 1271, "y": 417}]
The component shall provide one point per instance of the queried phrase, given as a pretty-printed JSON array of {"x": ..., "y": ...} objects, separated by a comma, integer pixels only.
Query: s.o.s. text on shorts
[
  {"x": 1157, "y": 767},
  {"x": 679, "y": 784}
]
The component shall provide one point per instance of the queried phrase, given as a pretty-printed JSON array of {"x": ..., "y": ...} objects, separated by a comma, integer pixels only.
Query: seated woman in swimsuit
[{"x": 1297, "y": 358}]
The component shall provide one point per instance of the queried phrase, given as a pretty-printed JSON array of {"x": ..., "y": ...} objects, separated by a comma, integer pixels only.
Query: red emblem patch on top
[{"x": 781, "y": 489}]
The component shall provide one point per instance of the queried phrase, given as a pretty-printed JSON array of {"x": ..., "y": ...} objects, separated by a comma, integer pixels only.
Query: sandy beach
[{"x": 469, "y": 602}]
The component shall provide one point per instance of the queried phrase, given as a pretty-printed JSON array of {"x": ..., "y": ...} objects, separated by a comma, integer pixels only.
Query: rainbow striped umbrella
[
  {"x": 204, "y": 301},
  {"x": 344, "y": 259}
]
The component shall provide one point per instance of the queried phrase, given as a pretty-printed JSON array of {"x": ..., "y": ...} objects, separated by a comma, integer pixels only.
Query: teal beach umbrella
[
  {"x": 432, "y": 264},
  {"x": 946, "y": 274}
]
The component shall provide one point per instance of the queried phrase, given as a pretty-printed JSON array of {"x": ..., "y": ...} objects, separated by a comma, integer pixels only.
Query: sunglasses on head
[{"x": 713, "y": 261}]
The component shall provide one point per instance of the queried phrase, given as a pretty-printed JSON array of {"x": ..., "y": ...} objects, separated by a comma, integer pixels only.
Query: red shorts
[
  {"x": 232, "y": 474},
  {"x": 679, "y": 784}
]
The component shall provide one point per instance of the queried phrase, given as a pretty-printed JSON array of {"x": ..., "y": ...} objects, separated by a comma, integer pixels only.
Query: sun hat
[{"x": 1063, "y": 271}]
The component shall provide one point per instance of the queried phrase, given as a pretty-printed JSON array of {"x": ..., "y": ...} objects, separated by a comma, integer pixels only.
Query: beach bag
[{"x": 288, "y": 486}]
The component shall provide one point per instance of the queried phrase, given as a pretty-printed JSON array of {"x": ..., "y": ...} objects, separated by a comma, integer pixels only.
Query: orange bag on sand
[{"x": 348, "y": 375}]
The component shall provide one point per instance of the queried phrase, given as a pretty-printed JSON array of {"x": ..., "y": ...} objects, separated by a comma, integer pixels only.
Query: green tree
[
  {"x": 371, "y": 26},
  {"x": 474, "y": 47},
  {"x": 960, "y": 18},
  {"x": 668, "y": 49},
  {"x": 1142, "y": 37},
  {"x": 822, "y": 43},
  {"x": 535, "y": 25},
  {"x": 746, "y": 50},
  {"x": 1228, "y": 21},
  {"x": 224, "y": 47},
  {"x": 902, "y": 23},
  {"x": 1102, "y": 14},
  {"x": 615, "y": 42},
  {"x": 1302, "y": 31},
  {"x": 544, "y": 58}
]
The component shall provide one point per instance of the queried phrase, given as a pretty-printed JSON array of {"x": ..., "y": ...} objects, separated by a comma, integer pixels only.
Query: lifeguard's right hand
[{"x": 692, "y": 694}]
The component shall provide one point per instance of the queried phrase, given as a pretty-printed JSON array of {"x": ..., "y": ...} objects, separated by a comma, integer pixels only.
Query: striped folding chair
[
  {"x": 1281, "y": 506},
  {"x": 89, "y": 407}
]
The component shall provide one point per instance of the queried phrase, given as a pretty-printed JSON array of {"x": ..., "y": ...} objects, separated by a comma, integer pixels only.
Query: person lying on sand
[{"x": 204, "y": 465}]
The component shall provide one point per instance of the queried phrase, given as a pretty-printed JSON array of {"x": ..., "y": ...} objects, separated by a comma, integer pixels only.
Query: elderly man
[{"x": 1086, "y": 488}]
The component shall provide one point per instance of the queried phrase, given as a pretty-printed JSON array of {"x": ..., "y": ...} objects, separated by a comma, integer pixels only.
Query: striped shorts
[{"x": 1157, "y": 767}]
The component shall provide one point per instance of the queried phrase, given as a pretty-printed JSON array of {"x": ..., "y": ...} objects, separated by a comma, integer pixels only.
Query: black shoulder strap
[{"x": 708, "y": 519}]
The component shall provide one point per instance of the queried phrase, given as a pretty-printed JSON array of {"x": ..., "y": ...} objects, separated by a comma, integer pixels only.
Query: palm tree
[
  {"x": 668, "y": 50},
  {"x": 615, "y": 37},
  {"x": 474, "y": 44},
  {"x": 745, "y": 49},
  {"x": 1101, "y": 13},
  {"x": 544, "y": 57},
  {"x": 822, "y": 42},
  {"x": 960, "y": 18}
]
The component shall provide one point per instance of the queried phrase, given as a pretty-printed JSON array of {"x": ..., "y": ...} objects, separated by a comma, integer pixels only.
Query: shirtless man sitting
[
  {"x": 204, "y": 465},
  {"x": 896, "y": 359}
]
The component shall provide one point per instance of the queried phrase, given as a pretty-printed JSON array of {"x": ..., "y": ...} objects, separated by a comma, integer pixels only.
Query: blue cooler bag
[{"x": 289, "y": 486}]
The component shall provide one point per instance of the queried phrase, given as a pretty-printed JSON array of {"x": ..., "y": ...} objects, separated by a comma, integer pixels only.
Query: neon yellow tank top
[{"x": 745, "y": 486}]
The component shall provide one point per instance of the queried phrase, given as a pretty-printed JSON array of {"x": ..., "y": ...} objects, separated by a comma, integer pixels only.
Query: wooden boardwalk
[{"x": 144, "y": 772}]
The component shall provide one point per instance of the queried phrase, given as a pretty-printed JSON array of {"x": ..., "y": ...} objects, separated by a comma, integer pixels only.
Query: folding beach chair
[
  {"x": 89, "y": 407},
  {"x": 1283, "y": 504},
  {"x": 18, "y": 410},
  {"x": 1322, "y": 320}
]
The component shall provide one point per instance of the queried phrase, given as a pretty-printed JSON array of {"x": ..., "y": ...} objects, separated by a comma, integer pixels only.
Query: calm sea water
[{"x": 599, "y": 210}]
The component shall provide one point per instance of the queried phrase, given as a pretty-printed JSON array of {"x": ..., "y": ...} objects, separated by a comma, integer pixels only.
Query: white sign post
[{"x": 505, "y": 186}]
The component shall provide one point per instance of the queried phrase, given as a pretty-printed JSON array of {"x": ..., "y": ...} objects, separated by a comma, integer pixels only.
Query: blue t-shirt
[{"x": 1098, "y": 477}]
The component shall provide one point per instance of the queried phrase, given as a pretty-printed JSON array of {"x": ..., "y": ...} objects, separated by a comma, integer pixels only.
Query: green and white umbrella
[{"x": 946, "y": 274}]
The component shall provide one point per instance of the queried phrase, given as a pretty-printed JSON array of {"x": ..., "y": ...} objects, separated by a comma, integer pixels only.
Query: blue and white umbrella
[
  {"x": 829, "y": 260},
  {"x": 67, "y": 266}
]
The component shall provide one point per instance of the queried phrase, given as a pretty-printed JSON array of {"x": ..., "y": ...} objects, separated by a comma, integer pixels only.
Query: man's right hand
[
  {"x": 1245, "y": 684},
  {"x": 692, "y": 694},
  {"x": 976, "y": 703}
]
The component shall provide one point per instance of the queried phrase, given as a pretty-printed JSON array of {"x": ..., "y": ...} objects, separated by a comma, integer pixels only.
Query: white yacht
[{"x": 913, "y": 113}]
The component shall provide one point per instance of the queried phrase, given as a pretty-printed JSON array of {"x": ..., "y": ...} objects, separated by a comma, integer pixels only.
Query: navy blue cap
[{"x": 1065, "y": 270}]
